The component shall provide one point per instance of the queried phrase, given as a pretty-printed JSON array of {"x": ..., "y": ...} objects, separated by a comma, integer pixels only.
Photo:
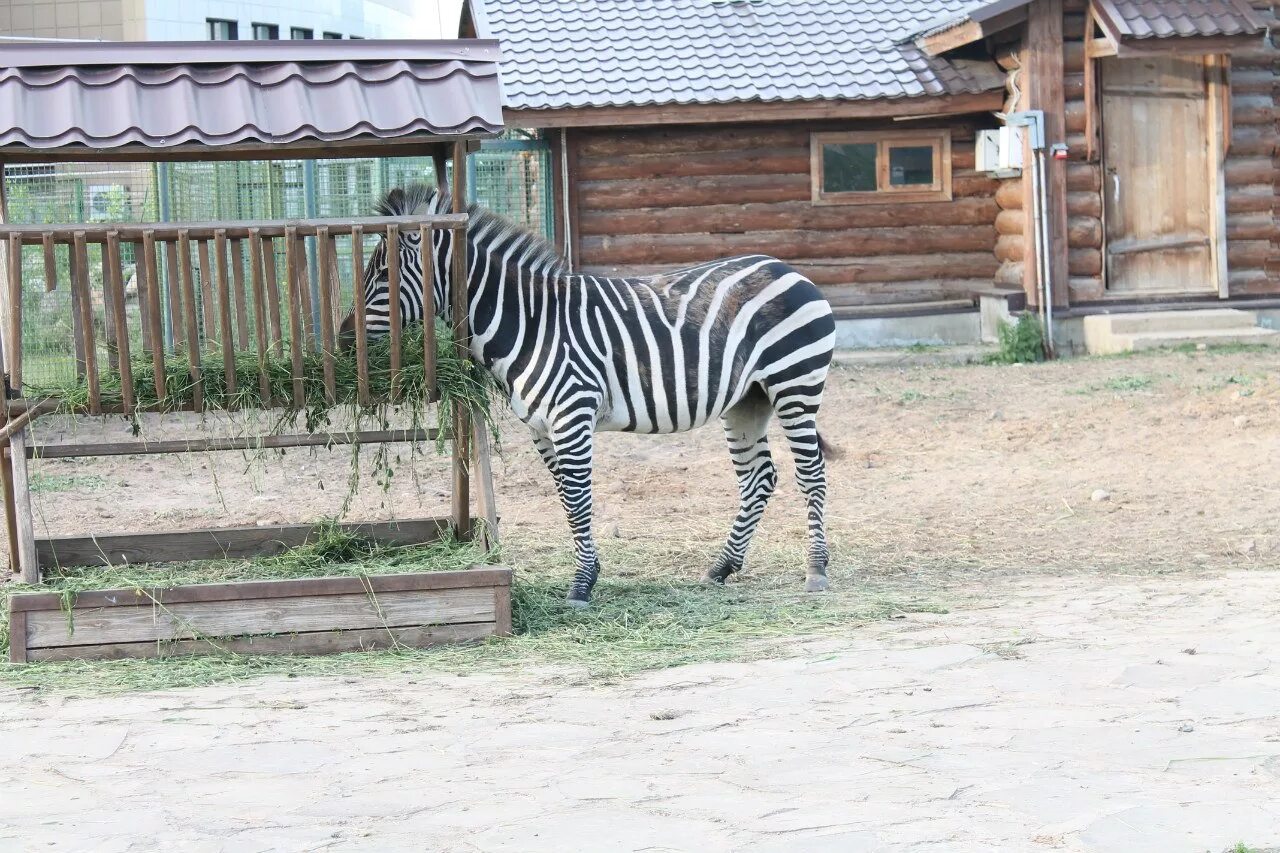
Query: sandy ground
[
  {"x": 1059, "y": 708},
  {"x": 1139, "y": 715}
]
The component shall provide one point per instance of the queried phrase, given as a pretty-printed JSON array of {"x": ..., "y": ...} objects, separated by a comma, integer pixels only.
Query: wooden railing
[{"x": 216, "y": 305}]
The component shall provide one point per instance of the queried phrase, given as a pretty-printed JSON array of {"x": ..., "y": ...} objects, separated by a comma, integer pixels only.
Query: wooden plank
[
  {"x": 223, "y": 285},
  {"x": 306, "y": 643},
  {"x": 788, "y": 245},
  {"x": 144, "y": 309},
  {"x": 426, "y": 236},
  {"x": 216, "y": 543},
  {"x": 115, "y": 282},
  {"x": 273, "y": 295},
  {"x": 393, "y": 305},
  {"x": 109, "y": 314},
  {"x": 459, "y": 297},
  {"x": 50, "y": 262},
  {"x": 324, "y": 250},
  {"x": 174, "y": 292},
  {"x": 14, "y": 356},
  {"x": 155, "y": 319},
  {"x": 255, "y": 616},
  {"x": 484, "y": 488},
  {"x": 18, "y": 637},
  {"x": 1044, "y": 82},
  {"x": 786, "y": 216},
  {"x": 237, "y": 277},
  {"x": 294, "y": 258},
  {"x": 80, "y": 286},
  {"x": 474, "y": 577},
  {"x": 304, "y": 290},
  {"x": 133, "y": 232},
  {"x": 207, "y": 302},
  {"x": 28, "y": 550},
  {"x": 357, "y": 308},
  {"x": 190, "y": 323},
  {"x": 1218, "y": 130},
  {"x": 77, "y": 321},
  {"x": 259, "y": 314},
  {"x": 209, "y": 445}
]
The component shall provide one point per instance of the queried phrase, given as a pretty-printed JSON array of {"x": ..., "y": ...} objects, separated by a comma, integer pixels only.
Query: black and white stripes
[{"x": 739, "y": 339}]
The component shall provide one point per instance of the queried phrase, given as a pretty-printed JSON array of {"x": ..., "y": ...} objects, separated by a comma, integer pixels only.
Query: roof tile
[{"x": 598, "y": 53}]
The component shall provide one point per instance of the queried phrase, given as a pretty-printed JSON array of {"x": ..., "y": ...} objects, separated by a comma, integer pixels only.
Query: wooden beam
[
  {"x": 963, "y": 33},
  {"x": 983, "y": 23},
  {"x": 209, "y": 445},
  {"x": 754, "y": 111},
  {"x": 1043, "y": 90},
  {"x": 222, "y": 543}
]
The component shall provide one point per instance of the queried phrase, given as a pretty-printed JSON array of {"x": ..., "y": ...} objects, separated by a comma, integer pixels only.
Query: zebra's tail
[{"x": 829, "y": 451}]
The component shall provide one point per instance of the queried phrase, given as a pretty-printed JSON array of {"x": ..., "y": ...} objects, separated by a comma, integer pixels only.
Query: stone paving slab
[{"x": 1070, "y": 717}]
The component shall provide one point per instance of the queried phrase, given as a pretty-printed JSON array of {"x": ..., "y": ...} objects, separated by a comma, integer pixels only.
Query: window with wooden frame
[{"x": 875, "y": 167}]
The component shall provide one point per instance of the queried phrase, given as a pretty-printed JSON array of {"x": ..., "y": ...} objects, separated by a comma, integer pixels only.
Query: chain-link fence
[{"x": 512, "y": 178}]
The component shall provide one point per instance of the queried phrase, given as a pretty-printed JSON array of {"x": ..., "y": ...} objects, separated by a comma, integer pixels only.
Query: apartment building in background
[{"x": 198, "y": 20}]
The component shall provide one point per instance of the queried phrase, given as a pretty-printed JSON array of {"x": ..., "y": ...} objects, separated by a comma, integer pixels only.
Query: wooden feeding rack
[{"x": 237, "y": 292}]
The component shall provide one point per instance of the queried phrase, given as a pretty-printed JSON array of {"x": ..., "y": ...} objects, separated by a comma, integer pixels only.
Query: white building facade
[{"x": 198, "y": 20}]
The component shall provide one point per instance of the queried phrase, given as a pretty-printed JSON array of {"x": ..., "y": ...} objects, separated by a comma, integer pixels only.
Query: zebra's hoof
[
  {"x": 711, "y": 578},
  {"x": 815, "y": 583},
  {"x": 578, "y": 602}
]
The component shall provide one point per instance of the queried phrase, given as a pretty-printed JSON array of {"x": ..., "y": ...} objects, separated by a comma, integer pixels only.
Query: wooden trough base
[
  {"x": 303, "y": 616},
  {"x": 224, "y": 543}
]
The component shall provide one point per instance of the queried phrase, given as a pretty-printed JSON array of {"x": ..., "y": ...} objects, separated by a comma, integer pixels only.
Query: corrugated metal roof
[
  {"x": 1141, "y": 19},
  {"x": 597, "y": 53},
  {"x": 148, "y": 96}
]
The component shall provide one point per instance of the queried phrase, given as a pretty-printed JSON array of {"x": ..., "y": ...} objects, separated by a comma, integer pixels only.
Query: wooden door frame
[{"x": 1218, "y": 133}]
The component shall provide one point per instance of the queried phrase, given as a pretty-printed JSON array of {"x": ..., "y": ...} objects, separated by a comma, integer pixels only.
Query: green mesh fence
[{"x": 512, "y": 178}]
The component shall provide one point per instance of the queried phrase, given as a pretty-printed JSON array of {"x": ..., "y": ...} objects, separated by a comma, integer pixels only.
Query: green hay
[
  {"x": 649, "y": 612},
  {"x": 459, "y": 381}
]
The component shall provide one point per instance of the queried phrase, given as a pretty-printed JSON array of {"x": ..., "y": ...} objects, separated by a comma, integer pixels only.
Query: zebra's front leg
[{"x": 571, "y": 449}]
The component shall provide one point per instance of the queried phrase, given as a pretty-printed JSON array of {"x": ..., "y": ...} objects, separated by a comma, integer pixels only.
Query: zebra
[{"x": 740, "y": 339}]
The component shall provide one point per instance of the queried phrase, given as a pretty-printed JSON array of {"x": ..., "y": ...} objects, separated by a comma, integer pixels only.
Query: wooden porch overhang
[
  {"x": 1115, "y": 20},
  {"x": 755, "y": 111}
]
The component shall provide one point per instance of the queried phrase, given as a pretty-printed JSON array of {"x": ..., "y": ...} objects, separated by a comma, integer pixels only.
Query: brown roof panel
[
  {"x": 1143, "y": 19},
  {"x": 81, "y": 99}
]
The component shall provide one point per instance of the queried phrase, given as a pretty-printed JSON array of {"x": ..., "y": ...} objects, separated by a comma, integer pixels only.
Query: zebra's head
[{"x": 413, "y": 200}]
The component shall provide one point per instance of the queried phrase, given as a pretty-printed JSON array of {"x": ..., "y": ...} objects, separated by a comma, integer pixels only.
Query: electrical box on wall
[{"x": 1000, "y": 151}]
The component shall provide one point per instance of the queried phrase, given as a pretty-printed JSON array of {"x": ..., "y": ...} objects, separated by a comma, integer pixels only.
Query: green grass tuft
[{"x": 1021, "y": 342}]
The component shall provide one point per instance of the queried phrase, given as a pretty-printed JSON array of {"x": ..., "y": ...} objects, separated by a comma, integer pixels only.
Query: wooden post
[
  {"x": 14, "y": 259},
  {"x": 6, "y": 469},
  {"x": 393, "y": 305},
  {"x": 428, "y": 314},
  {"x": 259, "y": 314},
  {"x": 273, "y": 296},
  {"x": 207, "y": 303},
  {"x": 115, "y": 283},
  {"x": 224, "y": 312},
  {"x": 190, "y": 321},
  {"x": 80, "y": 287},
  {"x": 324, "y": 249},
  {"x": 155, "y": 317},
  {"x": 1043, "y": 81},
  {"x": 294, "y": 259},
  {"x": 357, "y": 308},
  {"x": 237, "y": 277},
  {"x": 462, "y": 345}
]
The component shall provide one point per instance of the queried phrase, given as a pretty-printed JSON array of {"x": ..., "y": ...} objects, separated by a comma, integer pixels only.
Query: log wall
[
  {"x": 1084, "y": 177},
  {"x": 650, "y": 199}
]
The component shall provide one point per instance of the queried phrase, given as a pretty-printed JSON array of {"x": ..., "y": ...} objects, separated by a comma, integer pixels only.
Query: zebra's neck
[{"x": 514, "y": 283}]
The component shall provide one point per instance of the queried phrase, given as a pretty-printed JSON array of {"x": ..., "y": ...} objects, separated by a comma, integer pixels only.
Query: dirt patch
[{"x": 948, "y": 471}]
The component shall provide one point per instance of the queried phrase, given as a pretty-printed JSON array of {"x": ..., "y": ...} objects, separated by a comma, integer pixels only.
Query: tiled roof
[
  {"x": 143, "y": 97},
  {"x": 1141, "y": 19},
  {"x": 596, "y": 53}
]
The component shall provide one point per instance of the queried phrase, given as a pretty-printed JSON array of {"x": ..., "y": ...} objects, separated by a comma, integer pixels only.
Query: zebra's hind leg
[
  {"x": 799, "y": 423},
  {"x": 567, "y": 454},
  {"x": 746, "y": 426}
]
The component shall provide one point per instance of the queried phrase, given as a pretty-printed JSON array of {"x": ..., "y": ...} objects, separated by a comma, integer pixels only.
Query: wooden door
[{"x": 1159, "y": 176}]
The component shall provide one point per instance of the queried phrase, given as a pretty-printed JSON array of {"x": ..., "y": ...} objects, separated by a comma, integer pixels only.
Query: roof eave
[
  {"x": 754, "y": 111},
  {"x": 976, "y": 25}
]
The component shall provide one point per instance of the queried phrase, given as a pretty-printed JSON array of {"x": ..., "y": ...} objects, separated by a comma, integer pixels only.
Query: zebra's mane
[{"x": 487, "y": 229}]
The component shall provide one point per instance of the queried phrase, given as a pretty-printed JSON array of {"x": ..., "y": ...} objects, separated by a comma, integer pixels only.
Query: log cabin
[{"x": 843, "y": 137}]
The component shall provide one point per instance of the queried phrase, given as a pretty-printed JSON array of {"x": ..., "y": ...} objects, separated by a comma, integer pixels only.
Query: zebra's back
[{"x": 683, "y": 347}]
